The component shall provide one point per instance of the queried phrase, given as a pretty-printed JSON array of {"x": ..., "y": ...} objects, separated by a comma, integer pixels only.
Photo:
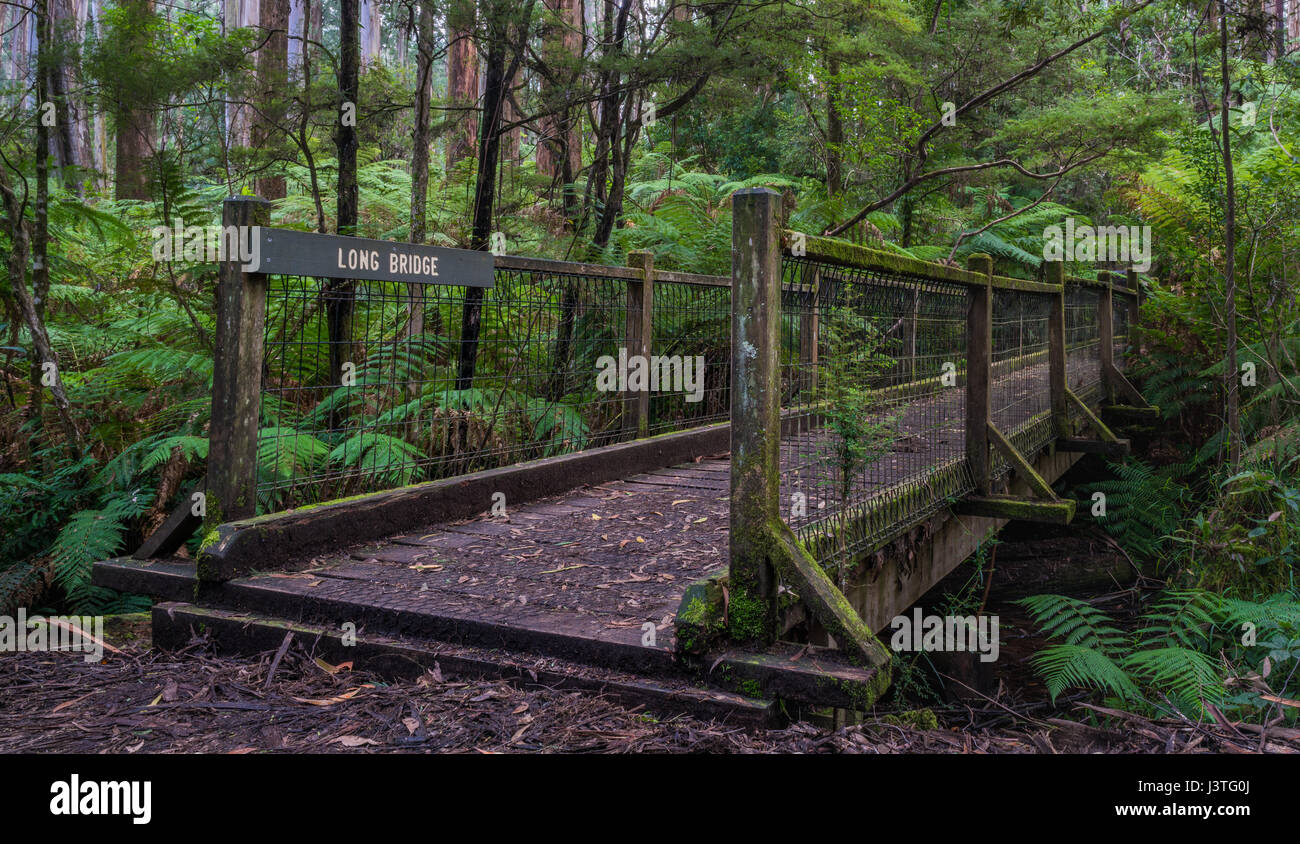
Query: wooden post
[
  {"x": 640, "y": 328},
  {"x": 755, "y": 407},
  {"x": 1106, "y": 331},
  {"x": 237, "y": 371},
  {"x": 1134, "y": 309},
  {"x": 979, "y": 360},
  {"x": 1056, "y": 351}
]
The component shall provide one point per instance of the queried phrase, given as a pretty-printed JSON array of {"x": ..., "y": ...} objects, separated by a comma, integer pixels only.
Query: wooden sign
[{"x": 289, "y": 252}]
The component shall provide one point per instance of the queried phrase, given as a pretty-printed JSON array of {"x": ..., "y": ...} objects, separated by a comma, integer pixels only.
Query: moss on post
[{"x": 755, "y": 412}]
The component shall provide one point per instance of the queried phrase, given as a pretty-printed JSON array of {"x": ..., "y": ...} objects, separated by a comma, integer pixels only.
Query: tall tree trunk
[
  {"x": 340, "y": 292},
  {"x": 99, "y": 125},
  {"x": 834, "y": 132},
  {"x": 69, "y": 146},
  {"x": 295, "y": 45},
  {"x": 21, "y": 240},
  {"x": 559, "y": 149},
  {"x": 371, "y": 29},
  {"x": 272, "y": 83},
  {"x": 1229, "y": 249},
  {"x": 462, "y": 81},
  {"x": 424, "y": 40},
  {"x": 420, "y": 132},
  {"x": 136, "y": 135},
  {"x": 239, "y": 14},
  {"x": 503, "y": 60},
  {"x": 484, "y": 196}
]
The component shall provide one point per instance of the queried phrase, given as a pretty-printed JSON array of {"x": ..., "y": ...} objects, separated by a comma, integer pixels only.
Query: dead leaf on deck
[{"x": 565, "y": 568}]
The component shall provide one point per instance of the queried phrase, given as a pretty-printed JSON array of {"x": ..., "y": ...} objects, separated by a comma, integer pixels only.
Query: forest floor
[{"x": 141, "y": 700}]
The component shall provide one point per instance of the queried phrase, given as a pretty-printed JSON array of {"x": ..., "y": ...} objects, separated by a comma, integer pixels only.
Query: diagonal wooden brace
[
  {"x": 1103, "y": 433},
  {"x": 1121, "y": 385},
  {"x": 1041, "y": 488}
]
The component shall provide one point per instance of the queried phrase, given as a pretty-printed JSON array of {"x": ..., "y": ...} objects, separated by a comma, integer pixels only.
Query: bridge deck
[{"x": 591, "y": 566}]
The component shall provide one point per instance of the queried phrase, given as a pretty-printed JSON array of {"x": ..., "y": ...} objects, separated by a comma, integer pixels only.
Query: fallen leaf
[
  {"x": 411, "y": 724},
  {"x": 333, "y": 669},
  {"x": 353, "y": 741},
  {"x": 68, "y": 703},
  {"x": 329, "y": 701}
]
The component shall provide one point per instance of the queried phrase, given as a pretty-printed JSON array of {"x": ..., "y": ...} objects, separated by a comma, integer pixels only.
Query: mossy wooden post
[
  {"x": 1056, "y": 372},
  {"x": 640, "y": 322},
  {"x": 979, "y": 353},
  {"x": 1106, "y": 333},
  {"x": 755, "y": 409},
  {"x": 1134, "y": 303},
  {"x": 236, "y": 372}
]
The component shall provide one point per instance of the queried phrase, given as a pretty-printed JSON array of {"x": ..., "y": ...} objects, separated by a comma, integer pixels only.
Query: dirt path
[{"x": 146, "y": 701}]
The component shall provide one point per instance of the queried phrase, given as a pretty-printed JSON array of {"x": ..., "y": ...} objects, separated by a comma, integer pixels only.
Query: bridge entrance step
[{"x": 405, "y": 657}]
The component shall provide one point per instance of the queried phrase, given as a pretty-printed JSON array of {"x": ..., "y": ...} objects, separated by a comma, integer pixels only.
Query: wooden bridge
[{"x": 406, "y": 472}]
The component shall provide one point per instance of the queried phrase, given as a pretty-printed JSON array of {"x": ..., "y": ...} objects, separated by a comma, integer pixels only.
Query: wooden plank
[
  {"x": 1082, "y": 445},
  {"x": 1055, "y": 512}
]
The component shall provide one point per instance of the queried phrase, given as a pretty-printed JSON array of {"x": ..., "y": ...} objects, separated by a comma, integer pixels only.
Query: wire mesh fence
[
  {"x": 1082, "y": 338},
  {"x": 874, "y": 413},
  {"x": 692, "y": 322},
  {"x": 370, "y": 385},
  {"x": 1019, "y": 389}
]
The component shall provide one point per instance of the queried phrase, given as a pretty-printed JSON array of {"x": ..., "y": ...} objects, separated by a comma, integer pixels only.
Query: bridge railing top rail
[
  {"x": 851, "y": 255},
  {"x": 590, "y": 270}
]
